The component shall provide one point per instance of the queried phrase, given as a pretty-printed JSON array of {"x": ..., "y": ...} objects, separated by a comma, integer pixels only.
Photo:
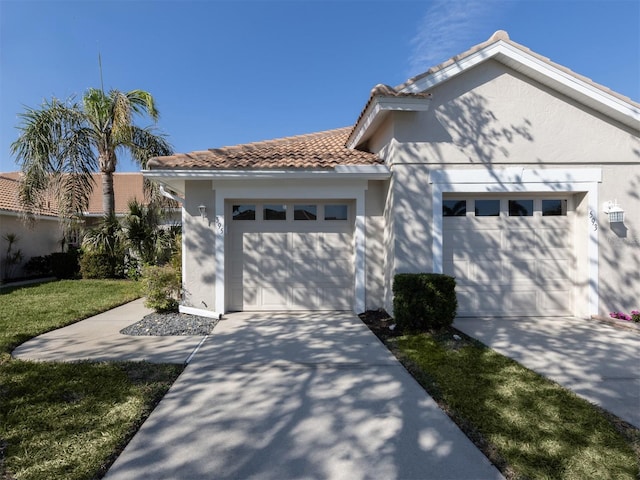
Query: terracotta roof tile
[
  {"x": 322, "y": 150},
  {"x": 502, "y": 35},
  {"x": 127, "y": 186},
  {"x": 9, "y": 200}
]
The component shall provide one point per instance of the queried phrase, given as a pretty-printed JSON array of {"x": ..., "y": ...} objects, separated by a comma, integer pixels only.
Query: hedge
[{"x": 424, "y": 301}]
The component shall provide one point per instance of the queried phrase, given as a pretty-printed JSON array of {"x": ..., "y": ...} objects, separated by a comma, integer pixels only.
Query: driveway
[
  {"x": 304, "y": 395},
  {"x": 596, "y": 361}
]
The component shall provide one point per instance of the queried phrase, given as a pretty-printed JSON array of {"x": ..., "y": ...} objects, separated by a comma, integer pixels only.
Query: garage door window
[
  {"x": 454, "y": 208},
  {"x": 336, "y": 212},
  {"x": 520, "y": 208},
  {"x": 274, "y": 212},
  {"x": 244, "y": 212},
  {"x": 487, "y": 208},
  {"x": 305, "y": 212},
  {"x": 554, "y": 208}
]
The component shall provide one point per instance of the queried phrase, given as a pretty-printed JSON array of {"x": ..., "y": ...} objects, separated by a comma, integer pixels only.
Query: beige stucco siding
[
  {"x": 198, "y": 246},
  {"x": 42, "y": 238},
  {"x": 374, "y": 245},
  {"x": 492, "y": 115},
  {"x": 491, "y": 118},
  {"x": 619, "y": 252}
]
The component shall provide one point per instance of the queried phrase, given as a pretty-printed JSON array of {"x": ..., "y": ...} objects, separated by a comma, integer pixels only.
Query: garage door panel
[
  {"x": 522, "y": 240},
  {"x": 274, "y": 243},
  {"x": 487, "y": 271},
  {"x": 275, "y": 295},
  {"x": 304, "y": 243},
  {"x": 335, "y": 296},
  {"x": 291, "y": 265},
  {"x": 557, "y": 269},
  {"x": 510, "y": 266}
]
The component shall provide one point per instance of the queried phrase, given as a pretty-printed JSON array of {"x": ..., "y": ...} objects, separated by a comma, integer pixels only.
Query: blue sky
[{"x": 229, "y": 72}]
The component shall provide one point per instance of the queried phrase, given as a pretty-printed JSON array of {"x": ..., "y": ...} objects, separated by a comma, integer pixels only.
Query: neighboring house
[
  {"x": 43, "y": 237},
  {"x": 46, "y": 234},
  {"x": 495, "y": 167}
]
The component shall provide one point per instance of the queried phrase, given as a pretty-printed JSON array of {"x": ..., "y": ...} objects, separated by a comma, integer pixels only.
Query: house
[
  {"x": 46, "y": 234},
  {"x": 499, "y": 167}
]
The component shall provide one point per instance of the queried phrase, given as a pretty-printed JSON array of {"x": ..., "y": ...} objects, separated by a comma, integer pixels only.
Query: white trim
[
  {"x": 528, "y": 180},
  {"x": 170, "y": 195},
  {"x": 13, "y": 213},
  {"x": 348, "y": 189},
  {"x": 199, "y": 311},
  {"x": 367, "y": 172},
  {"x": 359, "y": 239},
  {"x": 378, "y": 109},
  {"x": 220, "y": 233},
  {"x": 530, "y": 65}
]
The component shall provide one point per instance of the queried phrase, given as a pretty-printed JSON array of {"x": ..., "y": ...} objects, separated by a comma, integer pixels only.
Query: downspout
[{"x": 183, "y": 308}]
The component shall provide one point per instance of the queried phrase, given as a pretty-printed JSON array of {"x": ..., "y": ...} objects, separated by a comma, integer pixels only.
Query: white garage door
[
  {"x": 291, "y": 256},
  {"x": 510, "y": 256}
]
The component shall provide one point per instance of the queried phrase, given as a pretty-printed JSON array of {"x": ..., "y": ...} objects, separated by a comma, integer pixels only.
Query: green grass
[
  {"x": 529, "y": 426},
  {"x": 68, "y": 420}
]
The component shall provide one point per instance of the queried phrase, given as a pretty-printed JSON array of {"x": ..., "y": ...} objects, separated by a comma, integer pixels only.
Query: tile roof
[
  {"x": 127, "y": 186},
  {"x": 9, "y": 201},
  {"x": 322, "y": 150},
  {"x": 502, "y": 35}
]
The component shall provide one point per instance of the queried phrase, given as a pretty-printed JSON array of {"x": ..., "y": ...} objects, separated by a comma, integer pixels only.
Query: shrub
[
  {"x": 65, "y": 264},
  {"x": 100, "y": 265},
  {"x": 161, "y": 287},
  {"x": 38, "y": 266},
  {"x": 424, "y": 301}
]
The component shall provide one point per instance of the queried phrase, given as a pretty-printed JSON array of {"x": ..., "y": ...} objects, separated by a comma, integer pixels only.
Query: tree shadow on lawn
[{"x": 525, "y": 424}]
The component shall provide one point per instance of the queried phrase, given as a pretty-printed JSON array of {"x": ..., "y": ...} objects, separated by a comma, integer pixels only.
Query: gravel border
[{"x": 171, "y": 324}]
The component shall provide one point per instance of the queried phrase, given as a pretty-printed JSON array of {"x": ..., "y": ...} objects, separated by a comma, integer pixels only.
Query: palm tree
[{"x": 62, "y": 144}]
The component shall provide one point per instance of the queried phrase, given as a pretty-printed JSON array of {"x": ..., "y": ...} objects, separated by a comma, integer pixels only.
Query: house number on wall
[
  {"x": 594, "y": 220},
  {"x": 219, "y": 225}
]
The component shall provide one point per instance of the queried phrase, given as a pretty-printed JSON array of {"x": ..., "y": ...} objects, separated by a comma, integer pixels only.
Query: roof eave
[
  {"x": 545, "y": 72},
  {"x": 368, "y": 172},
  {"x": 377, "y": 110}
]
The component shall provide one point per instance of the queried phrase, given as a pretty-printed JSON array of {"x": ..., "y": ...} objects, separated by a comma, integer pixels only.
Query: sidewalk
[{"x": 98, "y": 339}]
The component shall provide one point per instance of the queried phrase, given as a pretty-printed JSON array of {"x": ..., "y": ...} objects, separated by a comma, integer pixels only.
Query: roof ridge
[
  {"x": 503, "y": 36},
  {"x": 280, "y": 140}
]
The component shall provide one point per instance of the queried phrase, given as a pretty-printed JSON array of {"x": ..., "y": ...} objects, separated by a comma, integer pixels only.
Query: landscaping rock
[{"x": 166, "y": 324}]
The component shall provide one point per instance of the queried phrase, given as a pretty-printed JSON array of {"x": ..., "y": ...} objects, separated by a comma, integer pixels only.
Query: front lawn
[
  {"x": 68, "y": 420},
  {"x": 528, "y": 426}
]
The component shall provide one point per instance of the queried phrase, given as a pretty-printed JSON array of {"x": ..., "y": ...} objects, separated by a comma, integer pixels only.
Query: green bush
[
  {"x": 424, "y": 301},
  {"x": 161, "y": 287},
  {"x": 38, "y": 266},
  {"x": 100, "y": 265},
  {"x": 65, "y": 264}
]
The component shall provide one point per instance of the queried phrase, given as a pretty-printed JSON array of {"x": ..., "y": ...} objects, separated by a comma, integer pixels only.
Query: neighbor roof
[
  {"x": 126, "y": 186},
  {"x": 322, "y": 150}
]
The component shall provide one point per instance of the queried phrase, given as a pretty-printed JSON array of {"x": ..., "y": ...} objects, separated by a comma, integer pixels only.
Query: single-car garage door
[
  {"x": 291, "y": 256},
  {"x": 511, "y": 256}
]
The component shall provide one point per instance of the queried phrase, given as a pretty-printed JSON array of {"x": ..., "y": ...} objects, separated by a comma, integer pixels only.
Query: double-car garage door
[
  {"x": 290, "y": 255},
  {"x": 511, "y": 256}
]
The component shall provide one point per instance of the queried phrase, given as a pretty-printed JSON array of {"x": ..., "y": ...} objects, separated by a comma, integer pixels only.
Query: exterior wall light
[
  {"x": 616, "y": 214},
  {"x": 203, "y": 210}
]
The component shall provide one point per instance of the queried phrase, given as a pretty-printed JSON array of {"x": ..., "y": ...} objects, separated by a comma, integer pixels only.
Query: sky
[{"x": 230, "y": 72}]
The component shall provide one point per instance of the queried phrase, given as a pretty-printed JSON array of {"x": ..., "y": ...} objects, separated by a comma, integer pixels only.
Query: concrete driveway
[
  {"x": 596, "y": 361},
  {"x": 309, "y": 395}
]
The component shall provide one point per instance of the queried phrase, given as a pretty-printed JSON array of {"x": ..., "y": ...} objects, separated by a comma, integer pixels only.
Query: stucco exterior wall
[
  {"x": 374, "y": 245},
  {"x": 41, "y": 239},
  {"x": 619, "y": 252},
  {"x": 198, "y": 268},
  {"x": 491, "y": 118}
]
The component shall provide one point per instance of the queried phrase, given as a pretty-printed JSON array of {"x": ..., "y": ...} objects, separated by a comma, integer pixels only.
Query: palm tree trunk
[{"x": 108, "y": 197}]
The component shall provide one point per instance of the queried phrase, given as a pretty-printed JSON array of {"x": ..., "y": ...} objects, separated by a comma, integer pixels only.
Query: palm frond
[{"x": 147, "y": 143}]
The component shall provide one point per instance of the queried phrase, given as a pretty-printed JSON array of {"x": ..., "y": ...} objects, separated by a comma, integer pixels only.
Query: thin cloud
[{"x": 449, "y": 28}]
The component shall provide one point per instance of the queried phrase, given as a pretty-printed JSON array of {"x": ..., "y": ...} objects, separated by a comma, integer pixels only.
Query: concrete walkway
[
  {"x": 276, "y": 396},
  {"x": 596, "y": 361},
  {"x": 98, "y": 339}
]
